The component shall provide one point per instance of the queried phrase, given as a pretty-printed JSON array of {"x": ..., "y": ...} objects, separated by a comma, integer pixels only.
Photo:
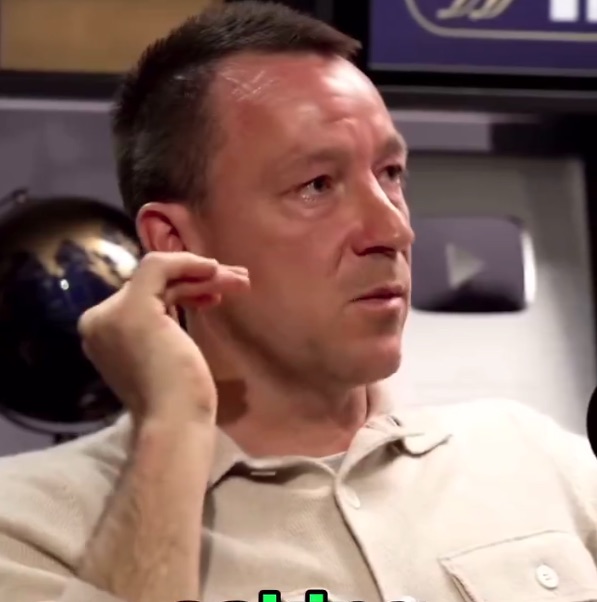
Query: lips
[{"x": 383, "y": 292}]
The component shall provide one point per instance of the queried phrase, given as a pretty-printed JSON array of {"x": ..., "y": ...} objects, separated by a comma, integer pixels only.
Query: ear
[{"x": 168, "y": 227}]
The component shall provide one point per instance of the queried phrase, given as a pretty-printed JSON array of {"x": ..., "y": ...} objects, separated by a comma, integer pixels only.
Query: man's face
[{"x": 306, "y": 192}]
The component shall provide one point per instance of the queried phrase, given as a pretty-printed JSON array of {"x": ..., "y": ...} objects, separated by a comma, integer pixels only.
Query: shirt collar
[{"x": 417, "y": 430}]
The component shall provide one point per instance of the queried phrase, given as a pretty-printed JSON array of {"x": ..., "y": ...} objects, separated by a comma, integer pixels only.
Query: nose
[{"x": 383, "y": 225}]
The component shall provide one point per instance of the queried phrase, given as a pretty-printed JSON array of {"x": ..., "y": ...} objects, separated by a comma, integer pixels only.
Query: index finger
[{"x": 156, "y": 271}]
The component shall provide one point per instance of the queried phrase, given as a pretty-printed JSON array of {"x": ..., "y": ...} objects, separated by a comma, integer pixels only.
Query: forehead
[{"x": 294, "y": 98}]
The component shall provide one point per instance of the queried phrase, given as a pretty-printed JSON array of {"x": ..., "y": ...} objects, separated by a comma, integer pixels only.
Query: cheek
[
  {"x": 277, "y": 250},
  {"x": 289, "y": 268},
  {"x": 292, "y": 273}
]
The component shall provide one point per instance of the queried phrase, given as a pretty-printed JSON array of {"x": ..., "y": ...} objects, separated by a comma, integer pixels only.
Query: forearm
[{"x": 147, "y": 545}]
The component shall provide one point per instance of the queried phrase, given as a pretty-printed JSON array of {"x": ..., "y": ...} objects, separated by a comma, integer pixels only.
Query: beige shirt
[{"x": 479, "y": 502}]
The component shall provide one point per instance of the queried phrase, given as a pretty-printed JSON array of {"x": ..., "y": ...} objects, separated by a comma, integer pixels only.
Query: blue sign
[{"x": 549, "y": 37}]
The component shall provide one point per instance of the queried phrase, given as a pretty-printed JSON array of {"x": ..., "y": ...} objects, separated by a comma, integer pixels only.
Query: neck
[
  {"x": 270, "y": 419},
  {"x": 270, "y": 414}
]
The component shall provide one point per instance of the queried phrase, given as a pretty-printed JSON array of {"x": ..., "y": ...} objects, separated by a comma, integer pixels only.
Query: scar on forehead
[{"x": 244, "y": 86}]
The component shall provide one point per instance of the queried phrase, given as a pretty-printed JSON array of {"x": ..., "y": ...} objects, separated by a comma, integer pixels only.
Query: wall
[{"x": 543, "y": 357}]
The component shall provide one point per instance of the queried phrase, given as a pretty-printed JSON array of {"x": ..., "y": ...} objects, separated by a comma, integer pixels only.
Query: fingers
[
  {"x": 170, "y": 279},
  {"x": 172, "y": 311},
  {"x": 189, "y": 293},
  {"x": 157, "y": 270},
  {"x": 174, "y": 277},
  {"x": 202, "y": 302}
]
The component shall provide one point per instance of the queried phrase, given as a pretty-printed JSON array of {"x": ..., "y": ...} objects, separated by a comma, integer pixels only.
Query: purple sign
[{"x": 551, "y": 37}]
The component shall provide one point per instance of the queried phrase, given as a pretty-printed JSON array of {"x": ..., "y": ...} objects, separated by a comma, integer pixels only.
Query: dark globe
[{"x": 58, "y": 257}]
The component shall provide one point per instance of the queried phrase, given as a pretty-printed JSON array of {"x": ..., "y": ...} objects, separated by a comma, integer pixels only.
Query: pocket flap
[{"x": 548, "y": 566}]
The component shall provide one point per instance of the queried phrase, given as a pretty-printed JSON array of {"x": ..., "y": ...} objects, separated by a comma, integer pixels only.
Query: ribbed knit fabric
[{"x": 486, "y": 501}]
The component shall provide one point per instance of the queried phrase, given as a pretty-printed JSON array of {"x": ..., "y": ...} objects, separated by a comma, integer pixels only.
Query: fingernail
[{"x": 238, "y": 269}]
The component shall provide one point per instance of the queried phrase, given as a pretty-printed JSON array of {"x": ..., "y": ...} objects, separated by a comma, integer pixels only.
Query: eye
[
  {"x": 395, "y": 174},
  {"x": 316, "y": 187}
]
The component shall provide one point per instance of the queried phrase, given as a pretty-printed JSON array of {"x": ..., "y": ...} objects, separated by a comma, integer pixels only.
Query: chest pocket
[{"x": 550, "y": 566}]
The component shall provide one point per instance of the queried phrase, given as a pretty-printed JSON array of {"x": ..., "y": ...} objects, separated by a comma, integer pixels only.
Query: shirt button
[
  {"x": 547, "y": 577},
  {"x": 351, "y": 497}
]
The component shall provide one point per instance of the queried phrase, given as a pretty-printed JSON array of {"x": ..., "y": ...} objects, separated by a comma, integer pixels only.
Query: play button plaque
[{"x": 472, "y": 265}]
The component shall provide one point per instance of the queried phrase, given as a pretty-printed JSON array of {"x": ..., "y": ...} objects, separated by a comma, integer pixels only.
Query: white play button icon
[
  {"x": 462, "y": 266},
  {"x": 473, "y": 264}
]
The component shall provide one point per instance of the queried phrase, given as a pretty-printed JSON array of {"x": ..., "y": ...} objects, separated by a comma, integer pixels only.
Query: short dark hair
[{"x": 162, "y": 122}]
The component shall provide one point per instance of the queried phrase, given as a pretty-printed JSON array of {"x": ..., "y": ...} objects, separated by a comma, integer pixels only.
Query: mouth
[{"x": 389, "y": 296}]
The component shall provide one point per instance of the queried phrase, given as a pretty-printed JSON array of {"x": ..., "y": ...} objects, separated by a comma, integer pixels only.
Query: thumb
[{"x": 175, "y": 313}]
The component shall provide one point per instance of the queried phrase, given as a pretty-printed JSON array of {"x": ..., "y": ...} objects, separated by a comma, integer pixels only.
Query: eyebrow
[{"x": 393, "y": 145}]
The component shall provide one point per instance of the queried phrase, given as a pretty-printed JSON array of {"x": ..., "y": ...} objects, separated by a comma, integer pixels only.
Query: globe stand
[
  {"x": 61, "y": 438},
  {"x": 13, "y": 199}
]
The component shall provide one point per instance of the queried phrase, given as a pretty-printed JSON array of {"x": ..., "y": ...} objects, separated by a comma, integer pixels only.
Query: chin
[{"x": 375, "y": 362}]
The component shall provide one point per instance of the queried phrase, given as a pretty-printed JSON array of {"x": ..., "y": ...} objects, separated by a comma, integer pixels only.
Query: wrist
[
  {"x": 175, "y": 413},
  {"x": 173, "y": 451},
  {"x": 166, "y": 425}
]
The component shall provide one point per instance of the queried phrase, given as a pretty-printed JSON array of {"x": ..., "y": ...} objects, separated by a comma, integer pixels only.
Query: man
[{"x": 260, "y": 450}]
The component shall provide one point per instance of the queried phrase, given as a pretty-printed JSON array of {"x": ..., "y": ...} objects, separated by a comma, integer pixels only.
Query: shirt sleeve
[
  {"x": 79, "y": 591},
  {"x": 46, "y": 520},
  {"x": 571, "y": 456},
  {"x": 30, "y": 575}
]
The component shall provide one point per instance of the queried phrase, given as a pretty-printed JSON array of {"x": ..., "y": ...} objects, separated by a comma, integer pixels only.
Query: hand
[{"x": 135, "y": 342}]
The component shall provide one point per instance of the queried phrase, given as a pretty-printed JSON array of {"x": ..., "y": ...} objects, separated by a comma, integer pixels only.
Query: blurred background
[{"x": 498, "y": 103}]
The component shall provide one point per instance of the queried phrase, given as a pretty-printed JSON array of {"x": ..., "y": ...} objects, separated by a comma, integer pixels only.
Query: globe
[{"x": 58, "y": 257}]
